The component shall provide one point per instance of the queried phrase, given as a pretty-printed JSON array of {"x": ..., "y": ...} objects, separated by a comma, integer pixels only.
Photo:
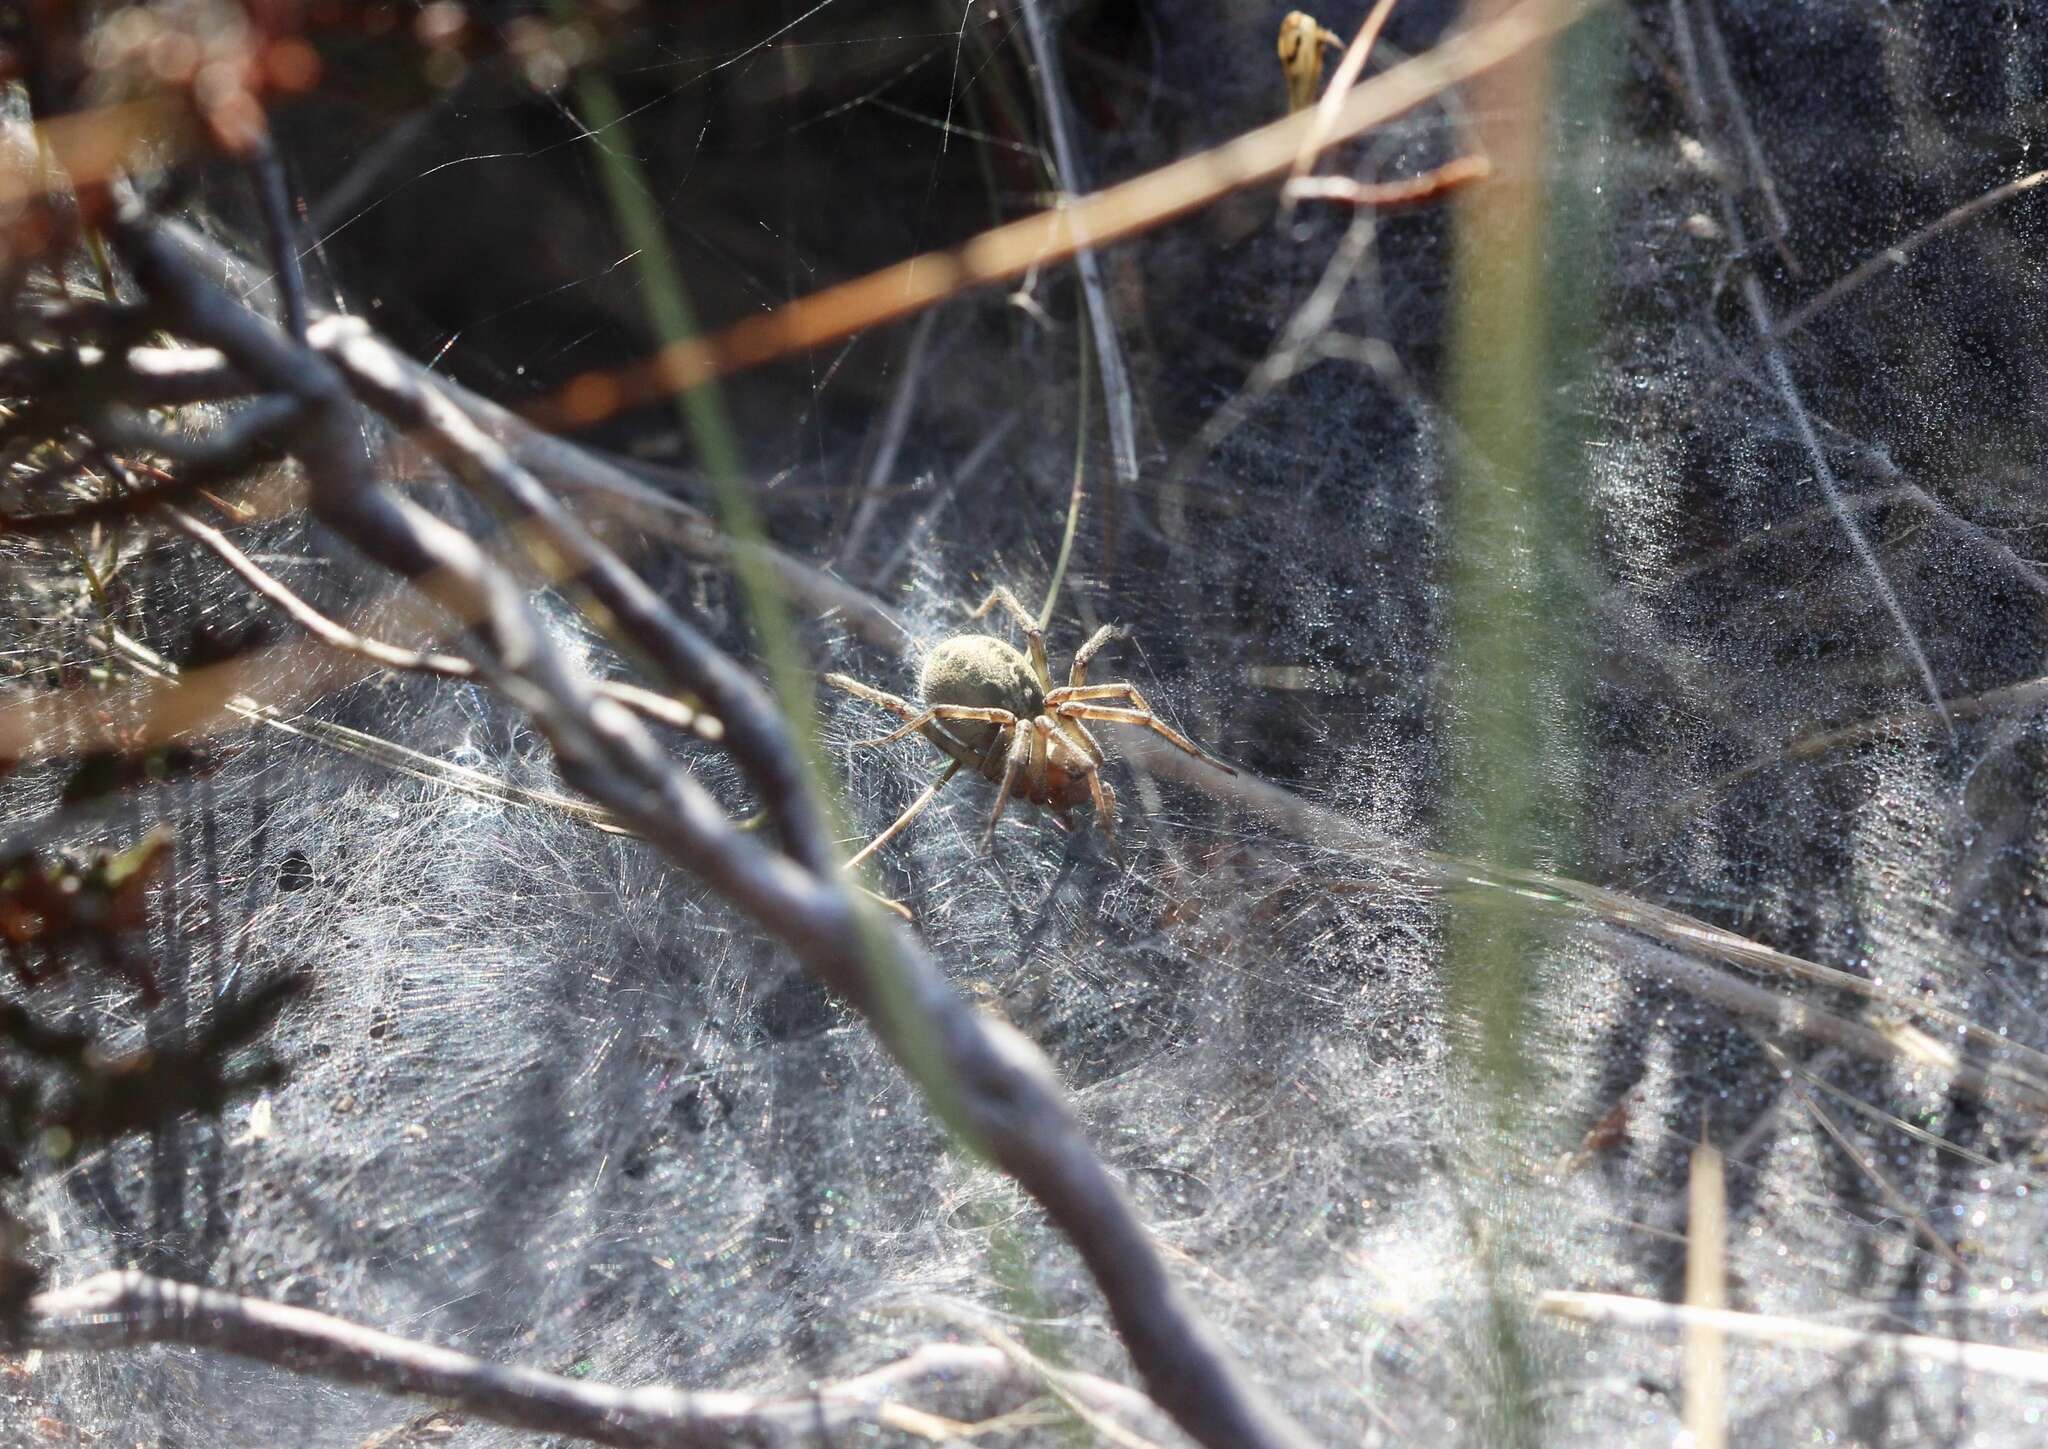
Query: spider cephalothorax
[{"x": 997, "y": 712}]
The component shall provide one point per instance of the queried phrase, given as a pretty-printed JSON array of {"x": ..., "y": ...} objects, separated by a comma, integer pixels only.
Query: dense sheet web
[{"x": 553, "y": 1104}]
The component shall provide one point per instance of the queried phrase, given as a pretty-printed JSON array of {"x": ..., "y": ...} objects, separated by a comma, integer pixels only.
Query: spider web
[{"x": 552, "y": 1105}]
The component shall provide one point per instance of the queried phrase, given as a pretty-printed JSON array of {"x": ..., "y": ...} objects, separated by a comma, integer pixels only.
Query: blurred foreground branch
[{"x": 130, "y": 1309}]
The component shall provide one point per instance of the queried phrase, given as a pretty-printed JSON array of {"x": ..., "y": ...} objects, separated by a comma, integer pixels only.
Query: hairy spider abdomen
[{"x": 981, "y": 671}]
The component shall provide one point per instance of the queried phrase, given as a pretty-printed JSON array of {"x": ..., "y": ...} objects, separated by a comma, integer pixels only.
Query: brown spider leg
[
  {"x": 1034, "y": 637},
  {"x": 1074, "y": 730},
  {"x": 871, "y": 694},
  {"x": 1041, "y": 747},
  {"x": 917, "y": 807},
  {"x": 1077, "y": 673},
  {"x": 1105, "y": 808},
  {"x": 894, "y": 907},
  {"x": 1020, "y": 750},
  {"x": 1143, "y": 717},
  {"x": 943, "y": 712},
  {"x": 1097, "y": 693}
]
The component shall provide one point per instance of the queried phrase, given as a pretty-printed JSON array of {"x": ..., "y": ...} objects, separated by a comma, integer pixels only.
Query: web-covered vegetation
[{"x": 554, "y": 1102}]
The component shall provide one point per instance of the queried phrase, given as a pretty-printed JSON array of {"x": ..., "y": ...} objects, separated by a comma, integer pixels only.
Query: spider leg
[
  {"x": 1001, "y": 594},
  {"x": 1145, "y": 717},
  {"x": 1020, "y": 751},
  {"x": 1077, "y": 673},
  {"x": 894, "y": 907},
  {"x": 871, "y": 694},
  {"x": 1098, "y": 693},
  {"x": 1105, "y": 808},
  {"x": 1034, "y": 637},
  {"x": 919, "y": 719},
  {"x": 917, "y": 808},
  {"x": 1048, "y": 738},
  {"x": 1074, "y": 730}
]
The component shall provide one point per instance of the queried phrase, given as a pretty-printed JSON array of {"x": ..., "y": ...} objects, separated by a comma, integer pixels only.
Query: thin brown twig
[
  {"x": 2025, "y": 695},
  {"x": 646, "y": 702},
  {"x": 1782, "y": 532},
  {"x": 1383, "y": 195},
  {"x": 1009, "y": 251}
]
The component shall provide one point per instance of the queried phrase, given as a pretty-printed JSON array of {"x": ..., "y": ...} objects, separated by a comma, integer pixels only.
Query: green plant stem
[
  {"x": 702, "y": 411},
  {"x": 700, "y": 408}
]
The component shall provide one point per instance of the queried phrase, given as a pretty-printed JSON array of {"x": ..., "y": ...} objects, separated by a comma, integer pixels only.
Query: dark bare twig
[
  {"x": 1109, "y": 350},
  {"x": 1670, "y": 940},
  {"x": 594, "y": 485},
  {"x": 53, "y": 389},
  {"x": 755, "y": 731},
  {"x": 177, "y": 376},
  {"x": 128, "y": 1309},
  {"x": 981, "y": 1075},
  {"x": 274, "y": 197},
  {"x": 1901, "y": 251},
  {"x": 598, "y": 486},
  {"x": 645, "y": 702},
  {"x": 253, "y": 438},
  {"x": 1780, "y": 371}
]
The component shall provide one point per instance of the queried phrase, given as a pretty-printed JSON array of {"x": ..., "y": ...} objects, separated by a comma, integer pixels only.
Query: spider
[{"x": 998, "y": 713}]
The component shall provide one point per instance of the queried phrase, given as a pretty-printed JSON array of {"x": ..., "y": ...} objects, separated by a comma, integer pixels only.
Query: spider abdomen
[{"x": 983, "y": 672}]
